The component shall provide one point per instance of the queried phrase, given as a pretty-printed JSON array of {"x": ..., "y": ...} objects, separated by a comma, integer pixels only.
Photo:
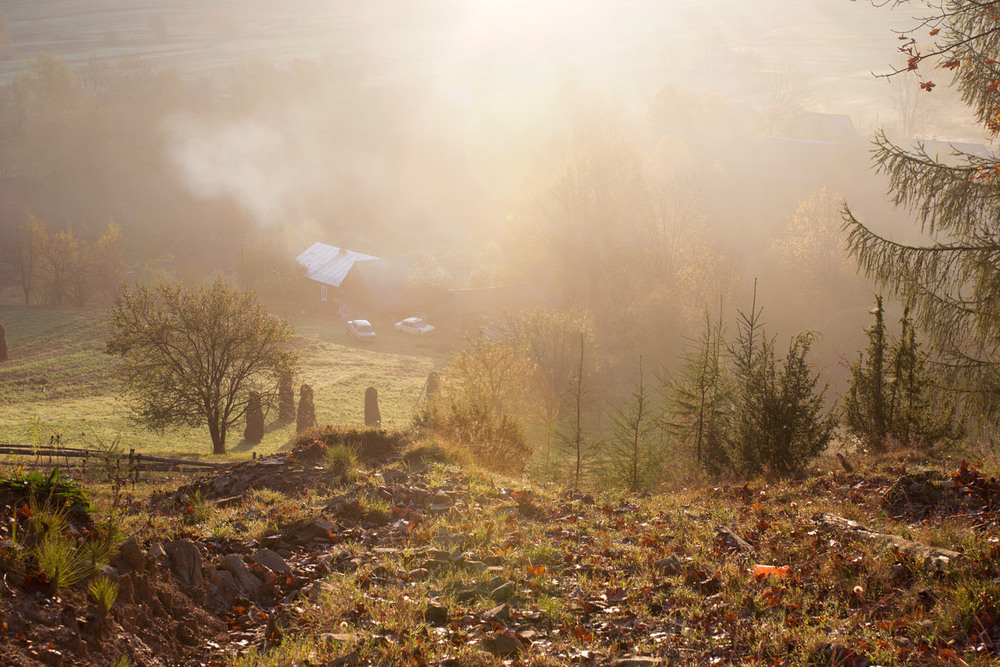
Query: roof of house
[{"x": 329, "y": 264}]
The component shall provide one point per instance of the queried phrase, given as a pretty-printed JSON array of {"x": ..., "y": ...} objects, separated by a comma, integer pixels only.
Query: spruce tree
[
  {"x": 891, "y": 395},
  {"x": 865, "y": 409},
  {"x": 697, "y": 395},
  {"x": 571, "y": 436},
  {"x": 633, "y": 455},
  {"x": 953, "y": 277},
  {"x": 780, "y": 421}
]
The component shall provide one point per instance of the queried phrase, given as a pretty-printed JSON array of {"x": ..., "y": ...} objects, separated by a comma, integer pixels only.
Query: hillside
[
  {"x": 403, "y": 557},
  {"x": 60, "y": 381}
]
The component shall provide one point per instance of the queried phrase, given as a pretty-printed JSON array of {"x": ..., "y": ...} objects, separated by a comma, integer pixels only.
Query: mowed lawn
[{"x": 60, "y": 380}]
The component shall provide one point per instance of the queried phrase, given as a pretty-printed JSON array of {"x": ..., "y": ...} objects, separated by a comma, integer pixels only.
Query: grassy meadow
[{"x": 60, "y": 380}]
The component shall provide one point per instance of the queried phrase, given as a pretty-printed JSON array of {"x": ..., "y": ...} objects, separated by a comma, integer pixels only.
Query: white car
[
  {"x": 361, "y": 330},
  {"x": 415, "y": 326}
]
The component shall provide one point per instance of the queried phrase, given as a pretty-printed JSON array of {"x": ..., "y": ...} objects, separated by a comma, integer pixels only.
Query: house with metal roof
[{"x": 329, "y": 266}]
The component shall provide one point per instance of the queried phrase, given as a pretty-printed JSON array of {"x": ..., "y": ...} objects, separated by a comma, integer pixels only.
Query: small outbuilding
[{"x": 327, "y": 267}]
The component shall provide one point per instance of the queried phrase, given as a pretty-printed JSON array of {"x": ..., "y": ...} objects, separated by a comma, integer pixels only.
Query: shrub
[
  {"x": 369, "y": 444},
  {"x": 890, "y": 395},
  {"x": 53, "y": 491},
  {"x": 779, "y": 422},
  {"x": 480, "y": 404}
]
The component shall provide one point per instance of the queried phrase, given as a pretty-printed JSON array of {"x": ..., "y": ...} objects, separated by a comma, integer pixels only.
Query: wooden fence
[{"x": 78, "y": 458}]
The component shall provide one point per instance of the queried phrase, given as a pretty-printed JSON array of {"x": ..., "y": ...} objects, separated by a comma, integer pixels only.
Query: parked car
[
  {"x": 361, "y": 330},
  {"x": 415, "y": 326}
]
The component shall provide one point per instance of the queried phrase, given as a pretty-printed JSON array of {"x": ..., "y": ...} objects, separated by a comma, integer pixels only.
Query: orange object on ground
[{"x": 771, "y": 570}]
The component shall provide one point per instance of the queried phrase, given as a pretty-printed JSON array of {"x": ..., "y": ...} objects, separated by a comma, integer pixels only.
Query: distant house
[{"x": 328, "y": 267}]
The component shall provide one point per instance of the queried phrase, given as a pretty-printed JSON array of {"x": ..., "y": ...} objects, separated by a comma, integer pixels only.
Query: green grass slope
[{"x": 60, "y": 380}]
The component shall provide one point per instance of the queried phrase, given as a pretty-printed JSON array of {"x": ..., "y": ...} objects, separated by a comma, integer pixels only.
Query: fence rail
[{"x": 134, "y": 461}]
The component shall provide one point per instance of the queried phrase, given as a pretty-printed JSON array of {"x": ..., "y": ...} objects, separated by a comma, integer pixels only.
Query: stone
[
  {"x": 500, "y": 613},
  {"x": 131, "y": 555},
  {"x": 670, "y": 565},
  {"x": 126, "y": 591},
  {"x": 436, "y": 614},
  {"x": 504, "y": 592},
  {"x": 271, "y": 561},
  {"x": 346, "y": 660},
  {"x": 156, "y": 550},
  {"x": 185, "y": 560},
  {"x": 227, "y": 588},
  {"x": 502, "y": 645},
  {"x": 248, "y": 584}
]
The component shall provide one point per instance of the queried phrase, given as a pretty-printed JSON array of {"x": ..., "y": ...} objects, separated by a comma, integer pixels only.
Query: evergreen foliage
[
  {"x": 952, "y": 279},
  {"x": 571, "y": 436},
  {"x": 697, "y": 397},
  {"x": 779, "y": 422},
  {"x": 865, "y": 401},
  {"x": 634, "y": 454},
  {"x": 891, "y": 395}
]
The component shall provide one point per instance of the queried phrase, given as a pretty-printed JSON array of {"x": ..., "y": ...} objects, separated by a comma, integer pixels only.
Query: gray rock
[
  {"x": 156, "y": 550},
  {"x": 436, "y": 614},
  {"x": 504, "y": 592},
  {"x": 131, "y": 555},
  {"x": 502, "y": 645},
  {"x": 185, "y": 561},
  {"x": 500, "y": 613},
  {"x": 248, "y": 584},
  {"x": 670, "y": 565},
  {"x": 227, "y": 588},
  {"x": 125, "y": 589},
  {"x": 271, "y": 561}
]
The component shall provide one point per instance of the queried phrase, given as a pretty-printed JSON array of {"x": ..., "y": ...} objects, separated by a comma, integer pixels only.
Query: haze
[{"x": 499, "y": 142}]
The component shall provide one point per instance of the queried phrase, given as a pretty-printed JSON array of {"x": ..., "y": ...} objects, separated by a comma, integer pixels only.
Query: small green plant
[
  {"x": 197, "y": 509},
  {"x": 61, "y": 561},
  {"x": 53, "y": 490},
  {"x": 122, "y": 661},
  {"x": 344, "y": 461},
  {"x": 104, "y": 590}
]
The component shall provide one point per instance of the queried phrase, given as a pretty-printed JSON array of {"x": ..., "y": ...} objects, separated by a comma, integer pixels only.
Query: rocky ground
[{"x": 414, "y": 562}]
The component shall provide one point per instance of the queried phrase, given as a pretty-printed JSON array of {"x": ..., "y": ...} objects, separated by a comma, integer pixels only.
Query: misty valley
[{"x": 482, "y": 332}]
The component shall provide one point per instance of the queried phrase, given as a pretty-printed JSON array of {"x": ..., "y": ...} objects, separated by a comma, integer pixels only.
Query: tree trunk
[{"x": 218, "y": 433}]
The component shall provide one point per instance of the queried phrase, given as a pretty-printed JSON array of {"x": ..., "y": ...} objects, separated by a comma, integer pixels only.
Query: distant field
[
  {"x": 630, "y": 48},
  {"x": 59, "y": 380}
]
